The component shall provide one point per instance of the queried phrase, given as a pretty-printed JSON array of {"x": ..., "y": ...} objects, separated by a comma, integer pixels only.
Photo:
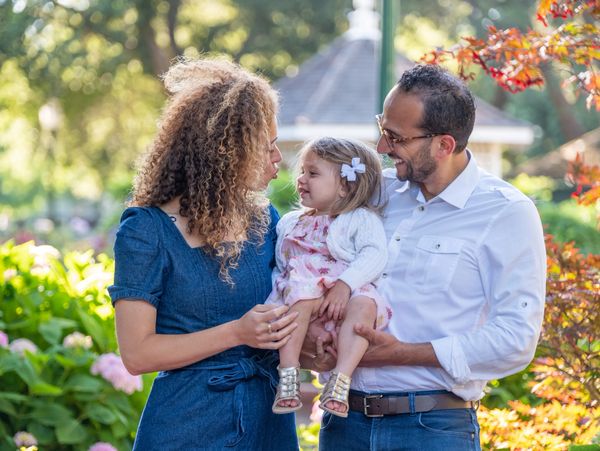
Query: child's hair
[{"x": 365, "y": 191}]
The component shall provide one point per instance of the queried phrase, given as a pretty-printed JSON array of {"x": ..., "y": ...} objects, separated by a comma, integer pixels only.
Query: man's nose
[{"x": 382, "y": 145}]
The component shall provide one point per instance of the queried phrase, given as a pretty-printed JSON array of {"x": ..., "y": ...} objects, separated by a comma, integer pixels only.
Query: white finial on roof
[{"x": 364, "y": 22}]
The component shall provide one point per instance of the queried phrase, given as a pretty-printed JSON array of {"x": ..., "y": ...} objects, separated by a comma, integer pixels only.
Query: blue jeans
[{"x": 436, "y": 430}]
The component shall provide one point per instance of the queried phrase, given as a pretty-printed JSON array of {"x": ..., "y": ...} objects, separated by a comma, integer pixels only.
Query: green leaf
[
  {"x": 121, "y": 402},
  {"x": 93, "y": 328},
  {"x": 584, "y": 448},
  {"x": 119, "y": 429},
  {"x": 9, "y": 362},
  {"x": 100, "y": 413},
  {"x": 84, "y": 397},
  {"x": 13, "y": 396},
  {"x": 26, "y": 372},
  {"x": 65, "y": 323},
  {"x": 43, "y": 434},
  {"x": 7, "y": 407},
  {"x": 70, "y": 433},
  {"x": 51, "y": 414},
  {"x": 65, "y": 362},
  {"x": 45, "y": 389},
  {"x": 51, "y": 331},
  {"x": 83, "y": 383}
]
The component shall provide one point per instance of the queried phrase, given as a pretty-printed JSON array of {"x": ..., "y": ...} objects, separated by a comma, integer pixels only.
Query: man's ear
[{"x": 446, "y": 146}]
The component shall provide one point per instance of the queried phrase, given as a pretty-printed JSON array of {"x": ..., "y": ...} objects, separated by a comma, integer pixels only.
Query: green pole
[{"x": 387, "y": 77}]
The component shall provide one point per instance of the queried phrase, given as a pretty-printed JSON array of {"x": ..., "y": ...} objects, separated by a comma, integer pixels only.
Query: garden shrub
[{"x": 61, "y": 384}]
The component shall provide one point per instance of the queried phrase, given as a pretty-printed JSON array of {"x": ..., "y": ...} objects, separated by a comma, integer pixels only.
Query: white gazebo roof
[{"x": 335, "y": 92}]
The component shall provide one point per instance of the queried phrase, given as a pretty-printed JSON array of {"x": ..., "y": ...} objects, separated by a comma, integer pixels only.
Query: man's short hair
[{"x": 448, "y": 106}]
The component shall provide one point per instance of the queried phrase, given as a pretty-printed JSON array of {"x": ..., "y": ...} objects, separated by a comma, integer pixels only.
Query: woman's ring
[{"x": 269, "y": 328}]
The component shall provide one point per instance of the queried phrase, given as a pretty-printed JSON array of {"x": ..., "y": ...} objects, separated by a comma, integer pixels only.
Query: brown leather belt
[{"x": 380, "y": 405}]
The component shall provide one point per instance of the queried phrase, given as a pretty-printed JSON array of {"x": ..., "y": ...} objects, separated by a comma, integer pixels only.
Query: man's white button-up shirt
[{"x": 466, "y": 272}]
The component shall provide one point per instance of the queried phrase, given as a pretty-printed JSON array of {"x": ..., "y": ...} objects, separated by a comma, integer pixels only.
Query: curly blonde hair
[{"x": 210, "y": 152}]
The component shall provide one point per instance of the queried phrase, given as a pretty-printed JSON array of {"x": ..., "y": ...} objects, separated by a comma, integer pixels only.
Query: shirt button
[
  {"x": 397, "y": 238},
  {"x": 421, "y": 208},
  {"x": 384, "y": 275}
]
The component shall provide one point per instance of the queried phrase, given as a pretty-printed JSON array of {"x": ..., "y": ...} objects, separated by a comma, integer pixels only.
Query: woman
[{"x": 194, "y": 254}]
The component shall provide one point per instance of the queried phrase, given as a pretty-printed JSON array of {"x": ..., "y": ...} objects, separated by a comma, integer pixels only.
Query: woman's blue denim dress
[{"x": 223, "y": 402}]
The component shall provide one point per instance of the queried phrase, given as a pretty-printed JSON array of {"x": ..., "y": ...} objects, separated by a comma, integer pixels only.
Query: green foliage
[
  {"x": 540, "y": 188},
  {"x": 282, "y": 192},
  {"x": 515, "y": 387},
  {"x": 52, "y": 392},
  {"x": 567, "y": 221}
]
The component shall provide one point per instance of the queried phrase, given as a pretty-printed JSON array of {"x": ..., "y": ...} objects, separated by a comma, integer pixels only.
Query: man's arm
[
  {"x": 512, "y": 261},
  {"x": 385, "y": 349}
]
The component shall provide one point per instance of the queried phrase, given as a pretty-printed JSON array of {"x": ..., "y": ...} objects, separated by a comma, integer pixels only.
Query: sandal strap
[
  {"x": 289, "y": 382},
  {"x": 337, "y": 387}
]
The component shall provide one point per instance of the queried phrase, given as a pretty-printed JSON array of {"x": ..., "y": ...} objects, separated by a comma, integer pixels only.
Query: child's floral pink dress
[{"x": 310, "y": 269}]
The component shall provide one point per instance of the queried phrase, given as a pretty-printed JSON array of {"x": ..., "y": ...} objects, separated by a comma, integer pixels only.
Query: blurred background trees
[
  {"x": 80, "y": 92},
  {"x": 80, "y": 95}
]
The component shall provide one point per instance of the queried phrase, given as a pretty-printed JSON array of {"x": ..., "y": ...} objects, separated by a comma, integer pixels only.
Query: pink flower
[
  {"x": 316, "y": 414},
  {"x": 23, "y": 438},
  {"x": 110, "y": 367},
  {"x": 102, "y": 446},
  {"x": 3, "y": 340},
  {"x": 20, "y": 345},
  {"x": 77, "y": 340},
  {"x": 9, "y": 274}
]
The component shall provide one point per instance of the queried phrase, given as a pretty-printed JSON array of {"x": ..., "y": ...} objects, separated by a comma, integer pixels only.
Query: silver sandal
[
  {"x": 337, "y": 389},
  {"x": 288, "y": 389}
]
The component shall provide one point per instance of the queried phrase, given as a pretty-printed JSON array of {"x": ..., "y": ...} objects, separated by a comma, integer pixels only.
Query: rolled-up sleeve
[
  {"x": 138, "y": 259},
  {"x": 512, "y": 260}
]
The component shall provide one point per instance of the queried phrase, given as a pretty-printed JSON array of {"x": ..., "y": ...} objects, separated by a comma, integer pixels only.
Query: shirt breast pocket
[{"x": 435, "y": 261}]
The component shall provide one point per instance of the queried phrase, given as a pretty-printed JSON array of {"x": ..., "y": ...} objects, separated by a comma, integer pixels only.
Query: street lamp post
[
  {"x": 387, "y": 74},
  {"x": 50, "y": 117}
]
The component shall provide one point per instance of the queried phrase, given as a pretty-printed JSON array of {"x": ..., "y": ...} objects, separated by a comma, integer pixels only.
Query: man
[{"x": 465, "y": 278}]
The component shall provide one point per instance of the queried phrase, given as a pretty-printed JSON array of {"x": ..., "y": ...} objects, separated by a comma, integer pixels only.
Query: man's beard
[{"x": 422, "y": 167}]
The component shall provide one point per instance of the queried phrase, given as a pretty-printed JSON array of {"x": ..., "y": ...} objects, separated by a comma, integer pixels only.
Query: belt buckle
[{"x": 366, "y": 405}]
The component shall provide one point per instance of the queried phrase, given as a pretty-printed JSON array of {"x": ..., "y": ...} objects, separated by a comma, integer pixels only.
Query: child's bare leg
[
  {"x": 289, "y": 354},
  {"x": 351, "y": 347}
]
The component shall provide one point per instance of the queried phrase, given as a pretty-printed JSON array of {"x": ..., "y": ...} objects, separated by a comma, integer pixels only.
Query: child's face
[{"x": 319, "y": 184}]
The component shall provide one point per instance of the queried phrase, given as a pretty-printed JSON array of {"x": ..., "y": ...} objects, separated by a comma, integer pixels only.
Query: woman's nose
[{"x": 276, "y": 155}]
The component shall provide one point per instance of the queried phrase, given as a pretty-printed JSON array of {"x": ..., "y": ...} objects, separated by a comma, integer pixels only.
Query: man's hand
[
  {"x": 319, "y": 347},
  {"x": 335, "y": 301},
  {"x": 385, "y": 349}
]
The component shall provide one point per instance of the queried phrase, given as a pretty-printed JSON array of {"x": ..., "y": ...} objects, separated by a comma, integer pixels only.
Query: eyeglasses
[{"x": 392, "y": 140}]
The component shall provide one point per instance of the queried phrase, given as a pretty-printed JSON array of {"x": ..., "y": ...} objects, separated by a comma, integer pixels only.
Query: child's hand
[{"x": 335, "y": 301}]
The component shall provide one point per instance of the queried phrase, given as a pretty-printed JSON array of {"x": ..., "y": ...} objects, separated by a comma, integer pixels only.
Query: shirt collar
[{"x": 459, "y": 190}]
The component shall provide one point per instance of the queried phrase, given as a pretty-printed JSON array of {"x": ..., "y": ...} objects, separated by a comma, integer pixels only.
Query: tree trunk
[{"x": 569, "y": 125}]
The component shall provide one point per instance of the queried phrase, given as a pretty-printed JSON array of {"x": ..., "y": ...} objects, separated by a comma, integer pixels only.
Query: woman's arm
[{"x": 144, "y": 351}]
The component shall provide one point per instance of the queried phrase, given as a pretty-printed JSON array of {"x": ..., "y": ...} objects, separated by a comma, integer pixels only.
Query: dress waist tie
[{"x": 232, "y": 376}]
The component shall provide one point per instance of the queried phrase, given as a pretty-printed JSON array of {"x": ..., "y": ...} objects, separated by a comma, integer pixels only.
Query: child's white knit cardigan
[{"x": 356, "y": 237}]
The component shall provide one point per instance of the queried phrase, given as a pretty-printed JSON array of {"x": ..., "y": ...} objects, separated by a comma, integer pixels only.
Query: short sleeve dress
[{"x": 222, "y": 402}]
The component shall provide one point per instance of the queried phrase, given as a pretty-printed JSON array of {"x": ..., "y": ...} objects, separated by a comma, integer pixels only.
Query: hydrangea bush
[{"x": 62, "y": 385}]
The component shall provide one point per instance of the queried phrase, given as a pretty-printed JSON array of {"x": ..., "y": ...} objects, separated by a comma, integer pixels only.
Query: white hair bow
[{"x": 350, "y": 171}]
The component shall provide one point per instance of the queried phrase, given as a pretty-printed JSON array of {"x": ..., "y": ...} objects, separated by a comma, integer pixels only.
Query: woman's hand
[{"x": 265, "y": 326}]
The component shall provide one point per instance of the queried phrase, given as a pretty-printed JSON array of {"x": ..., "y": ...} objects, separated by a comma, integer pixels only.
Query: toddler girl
[{"x": 329, "y": 254}]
